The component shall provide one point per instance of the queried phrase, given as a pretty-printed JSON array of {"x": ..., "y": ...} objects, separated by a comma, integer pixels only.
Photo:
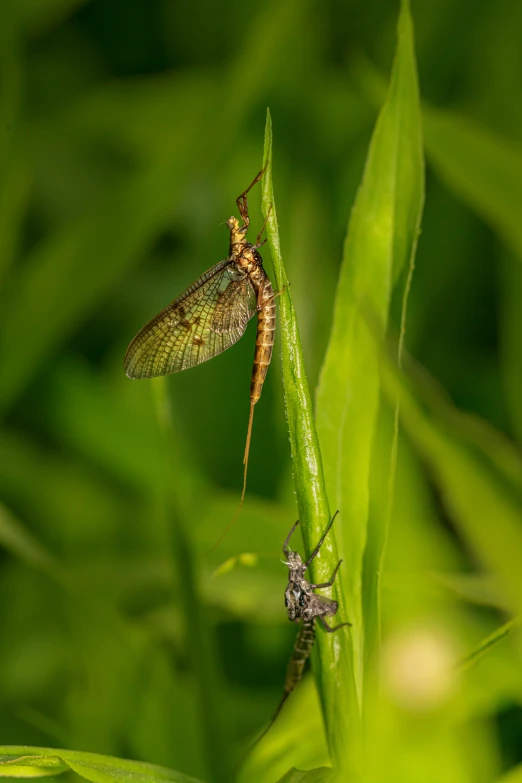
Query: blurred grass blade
[
  {"x": 513, "y": 776},
  {"x": 335, "y": 678},
  {"x": 17, "y": 540},
  {"x": 490, "y": 641},
  {"x": 485, "y": 509},
  {"x": 482, "y": 168},
  {"x": 99, "y": 246},
  {"x": 321, "y": 775},
  {"x": 510, "y": 314},
  {"x": 380, "y": 244},
  {"x": 21, "y": 761},
  {"x": 15, "y": 192},
  {"x": 40, "y": 15},
  {"x": 176, "y": 504},
  {"x": 13, "y": 169},
  {"x": 283, "y": 748},
  {"x": 475, "y": 589},
  {"x": 494, "y": 445}
]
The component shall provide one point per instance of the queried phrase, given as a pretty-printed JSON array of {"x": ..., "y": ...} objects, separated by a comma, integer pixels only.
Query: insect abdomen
[
  {"x": 266, "y": 324},
  {"x": 302, "y": 649}
]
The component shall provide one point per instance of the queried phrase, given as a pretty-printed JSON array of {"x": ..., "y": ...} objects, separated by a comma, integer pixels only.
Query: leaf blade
[
  {"x": 312, "y": 500},
  {"x": 380, "y": 243},
  {"x": 91, "y": 766}
]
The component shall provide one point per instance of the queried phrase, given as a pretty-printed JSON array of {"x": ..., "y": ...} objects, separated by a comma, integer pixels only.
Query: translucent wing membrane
[{"x": 209, "y": 317}]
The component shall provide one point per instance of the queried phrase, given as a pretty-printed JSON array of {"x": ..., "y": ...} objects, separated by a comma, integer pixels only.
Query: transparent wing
[{"x": 209, "y": 317}]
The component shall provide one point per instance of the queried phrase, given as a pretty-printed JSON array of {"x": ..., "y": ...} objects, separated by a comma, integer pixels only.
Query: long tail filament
[{"x": 245, "y": 471}]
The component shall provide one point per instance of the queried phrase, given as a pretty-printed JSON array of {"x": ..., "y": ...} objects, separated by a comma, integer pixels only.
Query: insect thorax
[
  {"x": 295, "y": 565},
  {"x": 298, "y": 591},
  {"x": 297, "y": 598},
  {"x": 248, "y": 260}
]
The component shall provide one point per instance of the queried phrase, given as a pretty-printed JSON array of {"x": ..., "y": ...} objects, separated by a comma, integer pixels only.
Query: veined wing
[{"x": 209, "y": 317}]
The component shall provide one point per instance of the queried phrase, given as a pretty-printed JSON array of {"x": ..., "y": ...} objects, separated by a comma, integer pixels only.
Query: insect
[
  {"x": 302, "y": 603},
  {"x": 211, "y": 315}
]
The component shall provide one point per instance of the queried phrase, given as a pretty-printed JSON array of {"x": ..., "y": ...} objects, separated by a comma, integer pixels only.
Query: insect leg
[
  {"x": 332, "y": 579},
  {"x": 328, "y": 628},
  {"x": 287, "y": 539},
  {"x": 258, "y": 240},
  {"x": 241, "y": 201},
  {"x": 319, "y": 545},
  {"x": 278, "y": 293}
]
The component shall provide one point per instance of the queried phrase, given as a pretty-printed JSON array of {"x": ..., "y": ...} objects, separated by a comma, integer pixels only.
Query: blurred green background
[{"x": 127, "y": 130}]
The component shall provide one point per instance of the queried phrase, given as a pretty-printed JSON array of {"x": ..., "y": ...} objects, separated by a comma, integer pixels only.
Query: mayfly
[
  {"x": 303, "y": 604},
  {"x": 211, "y": 315}
]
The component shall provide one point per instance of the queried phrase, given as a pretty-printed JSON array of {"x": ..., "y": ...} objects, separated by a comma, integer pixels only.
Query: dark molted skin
[{"x": 302, "y": 603}]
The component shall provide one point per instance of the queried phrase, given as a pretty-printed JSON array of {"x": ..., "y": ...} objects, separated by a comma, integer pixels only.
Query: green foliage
[
  {"x": 323, "y": 775},
  {"x": 127, "y": 131},
  {"x": 336, "y": 670},
  {"x": 380, "y": 245},
  {"x": 23, "y": 762}
]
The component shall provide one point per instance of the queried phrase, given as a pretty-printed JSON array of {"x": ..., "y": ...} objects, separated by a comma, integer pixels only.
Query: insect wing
[
  {"x": 321, "y": 605},
  {"x": 209, "y": 317}
]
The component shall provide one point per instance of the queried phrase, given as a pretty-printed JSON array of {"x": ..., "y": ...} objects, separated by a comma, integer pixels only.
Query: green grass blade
[
  {"x": 41, "y": 15},
  {"x": 510, "y": 331},
  {"x": 17, "y": 540},
  {"x": 176, "y": 503},
  {"x": 410, "y": 203},
  {"x": 485, "y": 509},
  {"x": 481, "y": 167},
  {"x": 321, "y": 775},
  {"x": 306, "y": 456},
  {"x": 335, "y": 675},
  {"x": 14, "y": 198},
  {"x": 486, "y": 644},
  {"x": 513, "y": 776},
  {"x": 21, "y": 761},
  {"x": 379, "y": 247},
  {"x": 13, "y": 169}
]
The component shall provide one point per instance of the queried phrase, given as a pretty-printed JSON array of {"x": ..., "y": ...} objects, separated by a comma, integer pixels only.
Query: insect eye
[{"x": 302, "y": 599}]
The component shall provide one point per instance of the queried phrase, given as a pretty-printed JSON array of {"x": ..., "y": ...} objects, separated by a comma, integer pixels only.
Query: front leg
[
  {"x": 319, "y": 545},
  {"x": 327, "y": 628},
  {"x": 265, "y": 221},
  {"x": 242, "y": 203},
  {"x": 332, "y": 579}
]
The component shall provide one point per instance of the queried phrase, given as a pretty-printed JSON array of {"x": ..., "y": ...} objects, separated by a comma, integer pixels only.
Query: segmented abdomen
[
  {"x": 302, "y": 649},
  {"x": 266, "y": 324}
]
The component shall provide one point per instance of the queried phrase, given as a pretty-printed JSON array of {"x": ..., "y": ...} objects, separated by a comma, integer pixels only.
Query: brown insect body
[
  {"x": 247, "y": 259},
  {"x": 211, "y": 315}
]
